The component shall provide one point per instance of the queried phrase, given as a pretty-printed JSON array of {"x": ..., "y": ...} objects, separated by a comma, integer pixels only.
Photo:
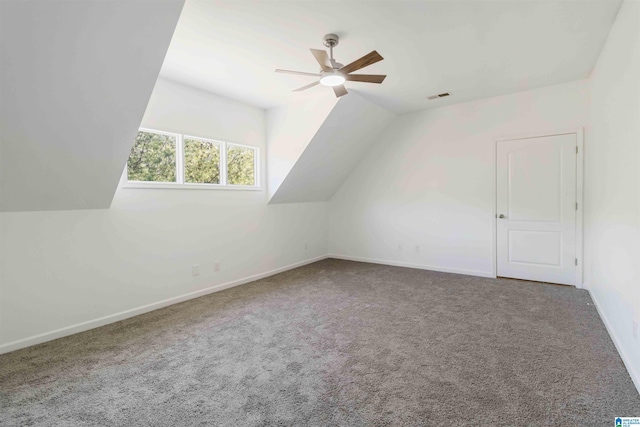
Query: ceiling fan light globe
[{"x": 332, "y": 80}]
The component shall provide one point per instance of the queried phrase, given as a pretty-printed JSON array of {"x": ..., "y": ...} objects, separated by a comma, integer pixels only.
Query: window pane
[
  {"x": 152, "y": 158},
  {"x": 240, "y": 166},
  {"x": 201, "y": 162}
]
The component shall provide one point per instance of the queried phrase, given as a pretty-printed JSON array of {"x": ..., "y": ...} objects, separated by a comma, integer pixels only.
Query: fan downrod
[{"x": 331, "y": 41}]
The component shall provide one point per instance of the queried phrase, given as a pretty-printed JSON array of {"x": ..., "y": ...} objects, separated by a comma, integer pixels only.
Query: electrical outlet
[
  {"x": 417, "y": 248},
  {"x": 195, "y": 270},
  {"x": 400, "y": 247},
  {"x": 216, "y": 266},
  {"x": 634, "y": 329},
  {"x": 306, "y": 246}
]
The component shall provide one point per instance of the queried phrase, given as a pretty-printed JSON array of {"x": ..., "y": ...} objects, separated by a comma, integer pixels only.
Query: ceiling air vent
[{"x": 440, "y": 95}]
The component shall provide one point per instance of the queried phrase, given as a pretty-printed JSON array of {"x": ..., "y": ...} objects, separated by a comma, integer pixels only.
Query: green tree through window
[
  {"x": 240, "y": 166},
  {"x": 152, "y": 158},
  {"x": 201, "y": 161},
  {"x": 163, "y": 157}
]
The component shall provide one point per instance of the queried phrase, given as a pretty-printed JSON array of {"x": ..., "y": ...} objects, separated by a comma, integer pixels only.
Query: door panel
[
  {"x": 535, "y": 247},
  {"x": 534, "y": 184},
  {"x": 536, "y": 196}
]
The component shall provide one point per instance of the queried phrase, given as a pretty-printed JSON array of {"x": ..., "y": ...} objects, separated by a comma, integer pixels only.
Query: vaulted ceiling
[
  {"x": 308, "y": 160},
  {"x": 472, "y": 49},
  {"x": 76, "y": 77}
]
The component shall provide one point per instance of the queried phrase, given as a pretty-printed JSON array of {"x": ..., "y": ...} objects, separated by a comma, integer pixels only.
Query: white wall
[
  {"x": 612, "y": 190},
  {"x": 429, "y": 181},
  {"x": 60, "y": 269}
]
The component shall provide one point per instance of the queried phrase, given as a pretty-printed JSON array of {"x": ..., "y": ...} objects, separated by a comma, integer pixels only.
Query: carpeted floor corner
[{"x": 335, "y": 343}]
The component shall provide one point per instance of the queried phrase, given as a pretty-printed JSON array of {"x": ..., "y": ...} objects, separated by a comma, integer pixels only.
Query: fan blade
[
  {"x": 299, "y": 73},
  {"x": 322, "y": 58},
  {"x": 300, "y": 89},
  {"x": 365, "y": 61},
  {"x": 340, "y": 90},
  {"x": 365, "y": 78}
]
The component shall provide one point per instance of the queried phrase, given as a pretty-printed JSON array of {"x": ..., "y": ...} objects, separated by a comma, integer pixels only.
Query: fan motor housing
[{"x": 330, "y": 40}]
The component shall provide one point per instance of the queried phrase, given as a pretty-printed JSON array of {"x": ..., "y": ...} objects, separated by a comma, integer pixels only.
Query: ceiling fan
[{"x": 334, "y": 74}]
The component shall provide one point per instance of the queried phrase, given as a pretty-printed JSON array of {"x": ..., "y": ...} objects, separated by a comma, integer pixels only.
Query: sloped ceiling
[
  {"x": 76, "y": 77},
  {"x": 336, "y": 148},
  {"x": 290, "y": 129},
  {"x": 474, "y": 49}
]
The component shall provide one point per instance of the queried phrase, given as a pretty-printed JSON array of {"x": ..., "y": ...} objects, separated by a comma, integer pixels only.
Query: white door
[{"x": 536, "y": 208}]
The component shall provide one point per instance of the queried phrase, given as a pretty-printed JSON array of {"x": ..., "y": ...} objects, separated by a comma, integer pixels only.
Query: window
[
  {"x": 201, "y": 161},
  {"x": 240, "y": 165},
  {"x": 153, "y": 158},
  {"x": 168, "y": 160}
]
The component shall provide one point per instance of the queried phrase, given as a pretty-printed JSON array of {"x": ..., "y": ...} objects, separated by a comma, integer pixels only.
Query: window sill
[{"x": 175, "y": 186}]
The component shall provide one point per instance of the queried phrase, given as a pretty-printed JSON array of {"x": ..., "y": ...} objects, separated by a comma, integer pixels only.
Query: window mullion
[
  {"x": 180, "y": 159},
  {"x": 256, "y": 168},
  {"x": 223, "y": 163}
]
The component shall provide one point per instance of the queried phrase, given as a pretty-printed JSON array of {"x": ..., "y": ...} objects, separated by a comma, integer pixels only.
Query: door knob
[{"x": 501, "y": 216}]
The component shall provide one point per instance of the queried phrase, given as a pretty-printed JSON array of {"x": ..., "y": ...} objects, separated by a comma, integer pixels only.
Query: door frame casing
[{"x": 579, "y": 133}]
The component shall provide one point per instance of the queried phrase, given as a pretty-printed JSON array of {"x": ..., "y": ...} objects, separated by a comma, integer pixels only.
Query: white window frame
[{"x": 180, "y": 184}]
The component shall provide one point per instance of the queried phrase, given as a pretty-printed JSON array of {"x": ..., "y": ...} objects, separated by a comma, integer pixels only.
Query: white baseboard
[
  {"x": 112, "y": 318},
  {"x": 626, "y": 359},
  {"x": 419, "y": 266}
]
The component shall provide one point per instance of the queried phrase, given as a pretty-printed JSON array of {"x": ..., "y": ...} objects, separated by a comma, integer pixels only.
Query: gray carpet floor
[{"x": 335, "y": 343}]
